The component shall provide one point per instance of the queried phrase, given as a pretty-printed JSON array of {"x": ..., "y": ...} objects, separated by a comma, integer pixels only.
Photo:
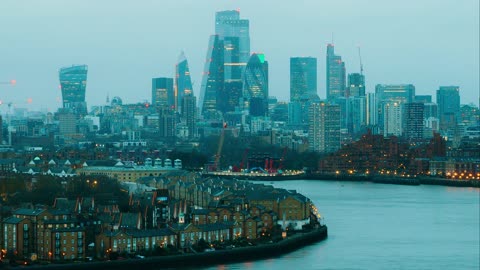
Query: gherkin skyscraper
[{"x": 255, "y": 85}]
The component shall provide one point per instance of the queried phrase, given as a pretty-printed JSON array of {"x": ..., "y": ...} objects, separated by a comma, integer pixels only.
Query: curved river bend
[{"x": 376, "y": 226}]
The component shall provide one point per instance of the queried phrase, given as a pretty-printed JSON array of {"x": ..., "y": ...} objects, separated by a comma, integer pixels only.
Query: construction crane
[
  {"x": 11, "y": 82},
  {"x": 220, "y": 146},
  {"x": 244, "y": 159},
  {"x": 360, "y": 57}
]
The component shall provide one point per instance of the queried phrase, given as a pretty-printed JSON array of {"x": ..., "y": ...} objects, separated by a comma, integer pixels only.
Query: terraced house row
[{"x": 175, "y": 209}]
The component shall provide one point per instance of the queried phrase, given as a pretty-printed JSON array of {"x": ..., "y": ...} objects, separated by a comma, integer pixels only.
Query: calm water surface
[{"x": 376, "y": 226}]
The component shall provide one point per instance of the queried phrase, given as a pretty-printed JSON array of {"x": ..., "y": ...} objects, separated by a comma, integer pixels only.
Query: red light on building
[{"x": 13, "y": 82}]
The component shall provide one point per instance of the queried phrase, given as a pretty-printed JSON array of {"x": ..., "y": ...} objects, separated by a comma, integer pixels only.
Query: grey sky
[{"x": 125, "y": 43}]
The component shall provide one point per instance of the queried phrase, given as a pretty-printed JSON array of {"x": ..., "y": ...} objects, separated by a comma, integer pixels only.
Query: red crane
[
  {"x": 244, "y": 158},
  {"x": 280, "y": 165}
]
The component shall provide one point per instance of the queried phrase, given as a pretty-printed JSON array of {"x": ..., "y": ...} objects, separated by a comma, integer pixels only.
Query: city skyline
[{"x": 33, "y": 54}]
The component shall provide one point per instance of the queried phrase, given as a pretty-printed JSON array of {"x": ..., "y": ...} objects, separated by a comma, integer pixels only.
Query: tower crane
[
  {"x": 360, "y": 57},
  {"x": 220, "y": 146}
]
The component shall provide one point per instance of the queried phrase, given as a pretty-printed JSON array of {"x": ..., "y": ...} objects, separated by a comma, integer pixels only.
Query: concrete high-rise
[
  {"x": 413, "y": 117},
  {"x": 324, "y": 127},
  {"x": 335, "y": 74},
  {"x": 356, "y": 115},
  {"x": 183, "y": 81},
  {"x": 356, "y": 85},
  {"x": 162, "y": 92},
  {"x": 255, "y": 85},
  {"x": 448, "y": 101},
  {"x": 189, "y": 108},
  {"x": 213, "y": 79},
  {"x": 372, "y": 112},
  {"x": 392, "y": 119},
  {"x": 303, "y": 77},
  {"x": 73, "y": 83},
  {"x": 392, "y": 94}
]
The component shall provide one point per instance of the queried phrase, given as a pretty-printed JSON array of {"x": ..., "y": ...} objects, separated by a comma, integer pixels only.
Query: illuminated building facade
[
  {"x": 73, "y": 83},
  {"x": 324, "y": 127},
  {"x": 255, "y": 85},
  {"x": 391, "y": 94},
  {"x": 356, "y": 85},
  {"x": 162, "y": 92},
  {"x": 183, "y": 81},
  {"x": 213, "y": 79}
]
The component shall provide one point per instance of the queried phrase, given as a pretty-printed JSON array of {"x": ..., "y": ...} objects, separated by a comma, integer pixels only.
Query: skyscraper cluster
[{"x": 235, "y": 93}]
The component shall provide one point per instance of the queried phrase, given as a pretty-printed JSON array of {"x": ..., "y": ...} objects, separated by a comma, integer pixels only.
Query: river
[{"x": 377, "y": 226}]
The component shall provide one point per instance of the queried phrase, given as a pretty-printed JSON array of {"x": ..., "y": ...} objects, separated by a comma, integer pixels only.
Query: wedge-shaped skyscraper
[{"x": 213, "y": 78}]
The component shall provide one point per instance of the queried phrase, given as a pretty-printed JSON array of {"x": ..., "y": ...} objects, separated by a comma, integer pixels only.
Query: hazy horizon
[{"x": 127, "y": 43}]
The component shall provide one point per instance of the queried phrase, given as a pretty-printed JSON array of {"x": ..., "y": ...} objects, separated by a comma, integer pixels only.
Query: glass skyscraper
[
  {"x": 162, "y": 92},
  {"x": 73, "y": 83},
  {"x": 335, "y": 74},
  {"x": 236, "y": 36},
  {"x": 356, "y": 85},
  {"x": 448, "y": 101},
  {"x": 183, "y": 81},
  {"x": 255, "y": 85},
  {"x": 303, "y": 77},
  {"x": 213, "y": 78}
]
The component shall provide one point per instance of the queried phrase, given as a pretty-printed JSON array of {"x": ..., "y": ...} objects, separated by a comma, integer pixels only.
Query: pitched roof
[{"x": 28, "y": 212}]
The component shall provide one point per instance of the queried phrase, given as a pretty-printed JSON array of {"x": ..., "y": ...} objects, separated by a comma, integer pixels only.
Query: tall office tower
[
  {"x": 342, "y": 102},
  {"x": 213, "y": 79},
  {"x": 356, "y": 115},
  {"x": 189, "y": 109},
  {"x": 73, "y": 83},
  {"x": 356, "y": 85},
  {"x": 303, "y": 77},
  {"x": 255, "y": 85},
  {"x": 235, "y": 35},
  {"x": 448, "y": 101},
  {"x": 324, "y": 127},
  {"x": 413, "y": 120},
  {"x": 372, "y": 112},
  {"x": 392, "y": 120},
  {"x": 183, "y": 81},
  {"x": 235, "y": 32},
  {"x": 423, "y": 98},
  {"x": 335, "y": 74},
  {"x": 162, "y": 92},
  {"x": 385, "y": 94},
  {"x": 167, "y": 123}
]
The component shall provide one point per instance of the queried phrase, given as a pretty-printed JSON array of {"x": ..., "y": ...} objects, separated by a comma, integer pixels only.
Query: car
[{"x": 138, "y": 256}]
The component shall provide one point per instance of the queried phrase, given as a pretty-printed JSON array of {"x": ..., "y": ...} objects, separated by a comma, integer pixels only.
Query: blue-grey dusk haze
[{"x": 125, "y": 44}]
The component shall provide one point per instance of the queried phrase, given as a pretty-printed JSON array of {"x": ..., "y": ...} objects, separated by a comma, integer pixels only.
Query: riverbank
[
  {"x": 296, "y": 241},
  {"x": 415, "y": 181}
]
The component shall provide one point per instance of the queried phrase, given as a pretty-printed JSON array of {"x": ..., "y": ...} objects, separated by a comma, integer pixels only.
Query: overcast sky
[{"x": 427, "y": 43}]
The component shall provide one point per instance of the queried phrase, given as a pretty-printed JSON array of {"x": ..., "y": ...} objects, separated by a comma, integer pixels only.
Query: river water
[{"x": 377, "y": 226}]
